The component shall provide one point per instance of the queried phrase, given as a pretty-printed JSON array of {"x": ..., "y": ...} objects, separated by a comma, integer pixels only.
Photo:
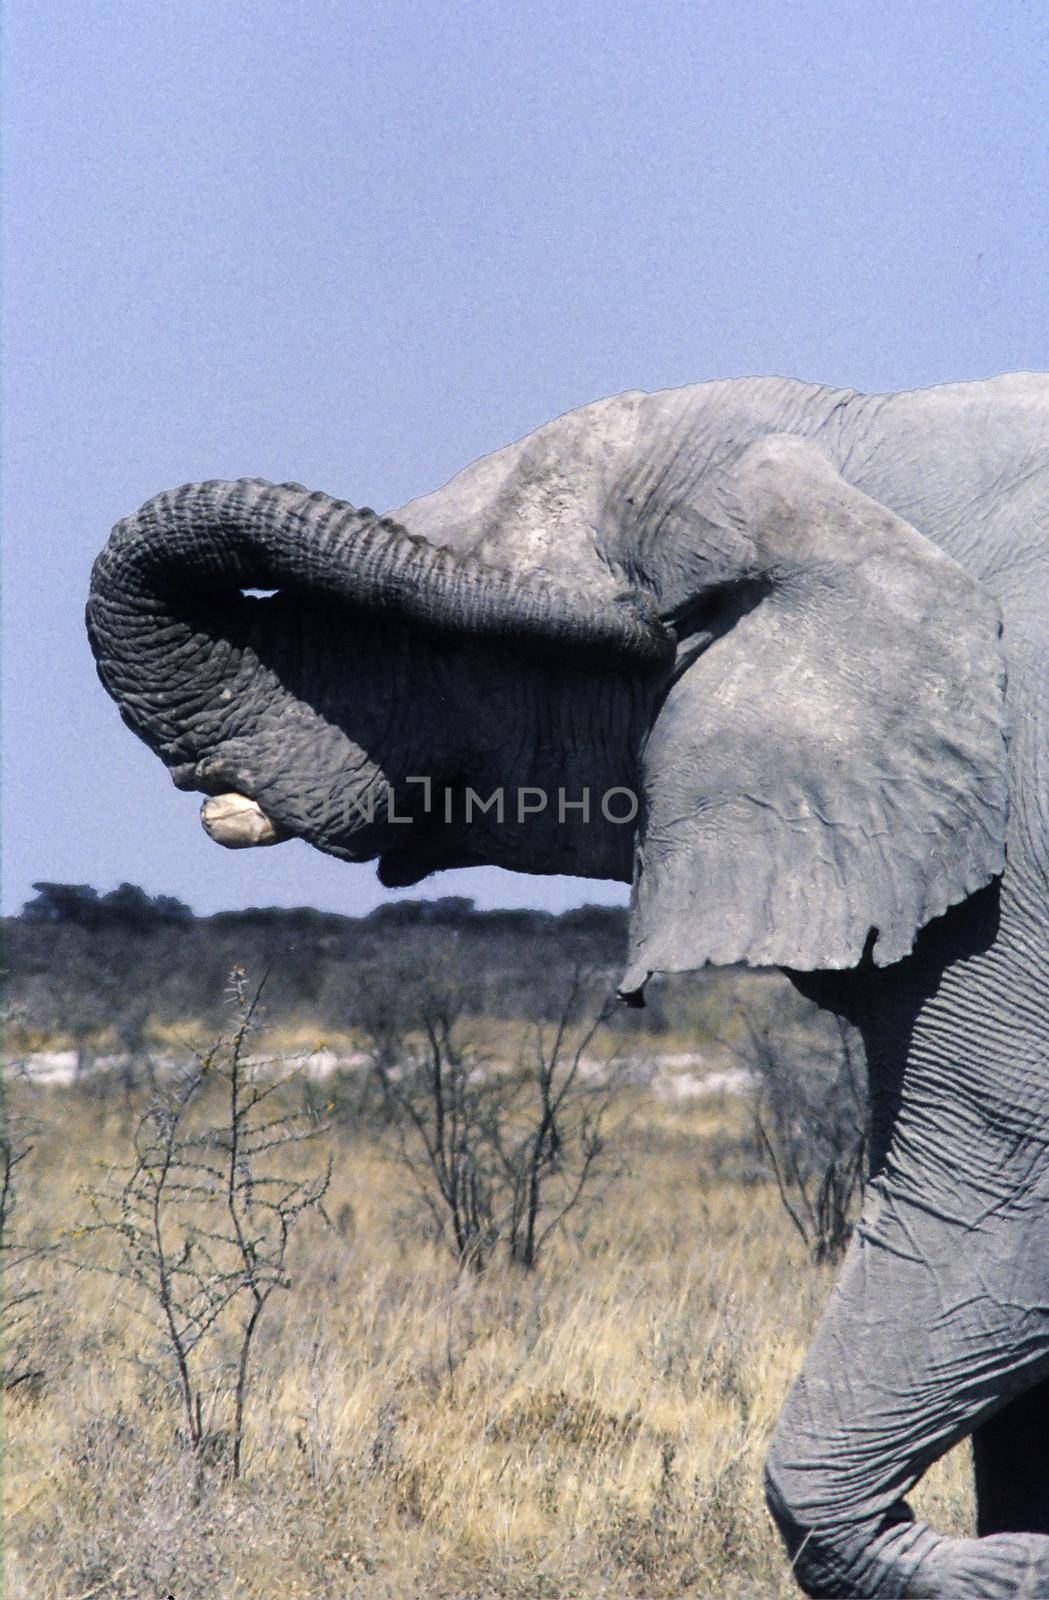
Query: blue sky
[{"x": 358, "y": 245}]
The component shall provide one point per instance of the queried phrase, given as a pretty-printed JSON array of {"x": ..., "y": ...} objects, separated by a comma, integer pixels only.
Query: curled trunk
[{"x": 254, "y": 695}]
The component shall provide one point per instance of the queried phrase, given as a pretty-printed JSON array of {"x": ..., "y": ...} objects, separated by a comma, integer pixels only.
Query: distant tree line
[
  {"x": 83, "y": 964},
  {"x": 127, "y": 906}
]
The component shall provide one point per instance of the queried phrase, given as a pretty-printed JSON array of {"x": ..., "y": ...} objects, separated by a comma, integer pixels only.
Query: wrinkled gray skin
[{"x": 787, "y": 616}]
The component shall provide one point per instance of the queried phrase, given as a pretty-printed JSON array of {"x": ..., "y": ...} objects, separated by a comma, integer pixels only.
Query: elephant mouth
[
  {"x": 410, "y": 864},
  {"x": 401, "y": 869},
  {"x": 433, "y": 843}
]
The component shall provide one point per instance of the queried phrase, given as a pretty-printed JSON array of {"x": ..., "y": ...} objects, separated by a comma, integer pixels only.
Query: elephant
[{"x": 800, "y": 634}]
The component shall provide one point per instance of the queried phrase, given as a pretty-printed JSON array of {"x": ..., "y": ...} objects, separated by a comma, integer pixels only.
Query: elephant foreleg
[{"x": 924, "y": 1338}]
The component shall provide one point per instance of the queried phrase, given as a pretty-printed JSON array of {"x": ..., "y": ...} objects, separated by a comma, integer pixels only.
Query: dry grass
[{"x": 596, "y": 1429}]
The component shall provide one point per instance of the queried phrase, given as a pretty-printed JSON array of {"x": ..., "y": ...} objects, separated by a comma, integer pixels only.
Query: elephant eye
[{"x": 259, "y": 594}]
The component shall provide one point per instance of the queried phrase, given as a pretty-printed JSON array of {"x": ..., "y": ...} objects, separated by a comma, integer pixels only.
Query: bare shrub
[
  {"x": 810, "y": 1121},
  {"x": 202, "y": 1219},
  {"x": 560, "y": 1148},
  {"x": 501, "y": 1154},
  {"x": 18, "y": 1253}
]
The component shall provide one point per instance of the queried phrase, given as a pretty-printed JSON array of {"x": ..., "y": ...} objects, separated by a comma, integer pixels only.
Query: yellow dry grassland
[{"x": 593, "y": 1429}]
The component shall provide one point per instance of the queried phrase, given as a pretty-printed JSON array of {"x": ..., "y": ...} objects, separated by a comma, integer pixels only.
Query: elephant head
[{"x": 805, "y": 692}]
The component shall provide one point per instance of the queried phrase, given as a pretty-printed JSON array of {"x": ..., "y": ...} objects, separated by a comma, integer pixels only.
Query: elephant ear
[{"x": 828, "y": 773}]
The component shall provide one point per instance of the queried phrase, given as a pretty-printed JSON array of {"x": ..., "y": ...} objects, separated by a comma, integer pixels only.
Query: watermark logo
[{"x": 618, "y": 805}]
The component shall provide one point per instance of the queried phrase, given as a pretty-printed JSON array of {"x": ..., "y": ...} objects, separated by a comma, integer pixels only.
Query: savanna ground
[{"x": 593, "y": 1428}]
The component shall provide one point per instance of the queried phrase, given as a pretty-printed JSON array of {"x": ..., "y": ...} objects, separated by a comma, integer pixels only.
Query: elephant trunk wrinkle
[{"x": 224, "y": 536}]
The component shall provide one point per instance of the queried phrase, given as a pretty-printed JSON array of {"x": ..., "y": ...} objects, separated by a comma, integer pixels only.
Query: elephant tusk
[{"x": 237, "y": 822}]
